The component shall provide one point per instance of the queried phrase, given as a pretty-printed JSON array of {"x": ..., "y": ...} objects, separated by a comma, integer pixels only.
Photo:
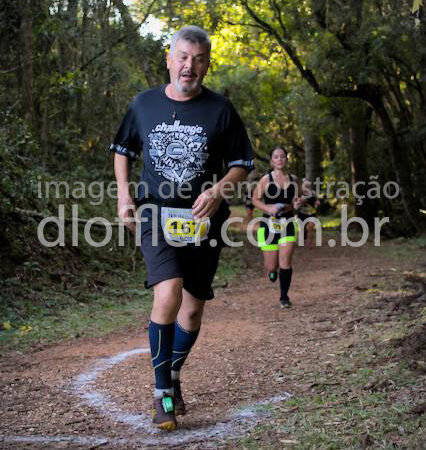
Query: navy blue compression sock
[
  {"x": 285, "y": 280},
  {"x": 161, "y": 343},
  {"x": 183, "y": 342}
]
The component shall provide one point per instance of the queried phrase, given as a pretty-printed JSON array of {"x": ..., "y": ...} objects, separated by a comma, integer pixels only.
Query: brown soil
[{"x": 246, "y": 346}]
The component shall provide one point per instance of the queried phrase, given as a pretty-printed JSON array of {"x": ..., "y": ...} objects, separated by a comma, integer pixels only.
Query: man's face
[{"x": 188, "y": 66}]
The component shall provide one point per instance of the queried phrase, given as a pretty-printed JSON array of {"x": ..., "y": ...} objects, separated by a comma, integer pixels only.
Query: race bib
[
  {"x": 178, "y": 225},
  {"x": 277, "y": 225}
]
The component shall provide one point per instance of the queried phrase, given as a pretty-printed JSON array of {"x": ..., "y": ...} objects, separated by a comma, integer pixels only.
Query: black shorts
[
  {"x": 195, "y": 264},
  {"x": 289, "y": 235}
]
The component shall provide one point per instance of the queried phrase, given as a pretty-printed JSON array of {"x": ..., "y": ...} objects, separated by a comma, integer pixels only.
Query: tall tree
[
  {"x": 345, "y": 29},
  {"x": 137, "y": 47},
  {"x": 27, "y": 59}
]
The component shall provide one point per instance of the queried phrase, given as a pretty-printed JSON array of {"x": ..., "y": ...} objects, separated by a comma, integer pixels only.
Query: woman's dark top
[{"x": 275, "y": 194}]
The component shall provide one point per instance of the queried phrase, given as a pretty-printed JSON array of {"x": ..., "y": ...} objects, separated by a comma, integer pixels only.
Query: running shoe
[
  {"x": 180, "y": 408},
  {"x": 164, "y": 413},
  {"x": 285, "y": 302},
  {"x": 273, "y": 276}
]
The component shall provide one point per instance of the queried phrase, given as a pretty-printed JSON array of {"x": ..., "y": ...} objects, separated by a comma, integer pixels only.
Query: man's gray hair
[{"x": 193, "y": 34}]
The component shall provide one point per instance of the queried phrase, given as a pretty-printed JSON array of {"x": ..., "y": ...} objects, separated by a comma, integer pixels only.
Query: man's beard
[{"x": 186, "y": 88}]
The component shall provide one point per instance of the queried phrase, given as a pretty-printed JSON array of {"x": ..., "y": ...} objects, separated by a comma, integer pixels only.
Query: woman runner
[{"x": 277, "y": 195}]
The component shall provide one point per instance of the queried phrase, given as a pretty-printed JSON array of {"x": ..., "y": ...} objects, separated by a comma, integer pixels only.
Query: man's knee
[
  {"x": 167, "y": 300},
  {"x": 190, "y": 315},
  {"x": 168, "y": 289},
  {"x": 193, "y": 314}
]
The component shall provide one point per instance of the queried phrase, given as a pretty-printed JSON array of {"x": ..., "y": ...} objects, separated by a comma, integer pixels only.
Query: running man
[
  {"x": 188, "y": 135},
  {"x": 276, "y": 195}
]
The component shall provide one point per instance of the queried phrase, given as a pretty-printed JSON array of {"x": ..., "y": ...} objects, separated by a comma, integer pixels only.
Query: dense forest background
[{"x": 341, "y": 84}]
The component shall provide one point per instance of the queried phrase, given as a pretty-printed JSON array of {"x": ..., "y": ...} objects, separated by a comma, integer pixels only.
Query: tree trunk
[
  {"x": 107, "y": 100},
  {"x": 312, "y": 146},
  {"x": 422, "y": 110},
  {"x": 400, "y": 165},
  {"x": 72, "y": 13},
  {"x": 422, "y": 53},
  {"x": 27, "y": 60},
  {"x": 44, "y": 132},
  {"x": 81, "y": 123},
  {"x": 331, "y": 147},
  {"x": 358, "y": 155},
  {"x": 134, "y": 42}
]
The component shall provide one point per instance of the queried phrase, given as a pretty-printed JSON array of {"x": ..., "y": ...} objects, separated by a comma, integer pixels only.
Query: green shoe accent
[
  {"x": 167, "y": 404},
  {"x": 273, "y": 276}
]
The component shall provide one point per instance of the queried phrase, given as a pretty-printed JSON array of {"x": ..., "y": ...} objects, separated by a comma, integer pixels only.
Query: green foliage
[
  {"x": 52, "y": 314},
  {"x": 259, "y": 96},
  {"x": 18, "y": 147}
]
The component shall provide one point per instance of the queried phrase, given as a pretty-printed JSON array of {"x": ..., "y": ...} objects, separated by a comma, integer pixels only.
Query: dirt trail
[{"x": 246, "y": 346}]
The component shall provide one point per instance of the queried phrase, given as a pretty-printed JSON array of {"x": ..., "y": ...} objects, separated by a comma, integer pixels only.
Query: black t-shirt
[{"x": 184, "y": 144}]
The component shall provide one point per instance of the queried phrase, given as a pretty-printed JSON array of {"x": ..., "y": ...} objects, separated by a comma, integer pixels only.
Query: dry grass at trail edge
[{"x": 368, "y": 390}]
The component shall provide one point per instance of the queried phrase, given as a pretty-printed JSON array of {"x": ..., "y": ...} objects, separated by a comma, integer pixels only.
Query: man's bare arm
[
  {"x": 125, "y": 203},
  {"x": 208, "y": 202}
]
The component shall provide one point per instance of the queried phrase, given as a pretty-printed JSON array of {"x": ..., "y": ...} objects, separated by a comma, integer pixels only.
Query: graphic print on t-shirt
[{"x": 178, "y": 151}]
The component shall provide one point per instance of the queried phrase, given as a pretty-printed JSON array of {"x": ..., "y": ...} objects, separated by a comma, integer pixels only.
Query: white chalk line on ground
[
  {"x": 235, "y": 425},
  {"x": 82, "y": 386}
]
